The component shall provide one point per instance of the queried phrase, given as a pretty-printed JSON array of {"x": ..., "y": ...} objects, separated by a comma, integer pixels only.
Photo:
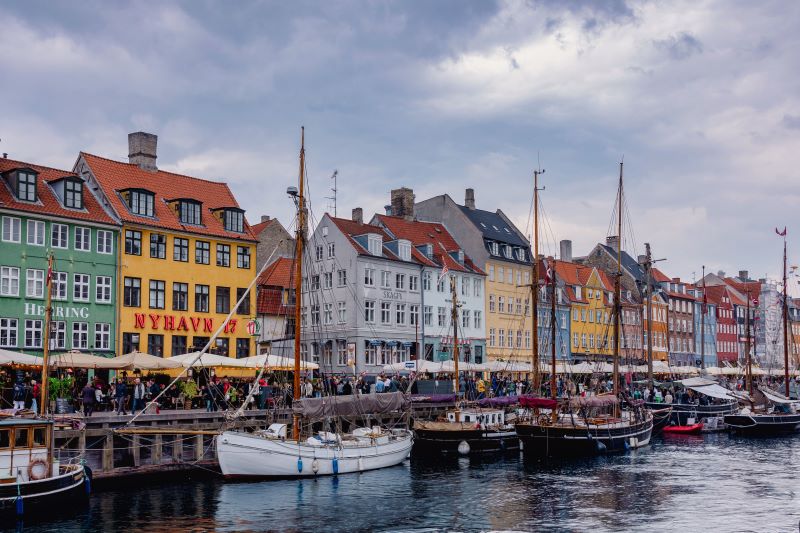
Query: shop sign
[
  {"x": 59, "y": 311},
  {"x": 253, "y": 327},
  {"x": 180, "y": 323}
]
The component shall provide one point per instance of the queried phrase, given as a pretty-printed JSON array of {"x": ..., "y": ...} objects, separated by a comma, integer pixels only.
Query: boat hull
[
  {"x": 478, "y": 440},
  {"x": 763, "y": 424},
  {"x": 682, "y": 412},
  {"x": 64, "y": 490},
  {"x": 244, "y": 455},
  {"x": 562, "y": 440}
]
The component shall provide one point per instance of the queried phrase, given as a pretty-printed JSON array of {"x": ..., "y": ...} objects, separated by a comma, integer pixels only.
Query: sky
[{"x": 700, "y": 98}]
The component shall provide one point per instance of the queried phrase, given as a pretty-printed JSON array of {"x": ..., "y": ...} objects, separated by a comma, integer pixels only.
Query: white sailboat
[{"x": 272, "y": 453}]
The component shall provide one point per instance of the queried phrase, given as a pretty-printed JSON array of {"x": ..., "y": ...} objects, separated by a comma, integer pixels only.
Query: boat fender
[
  {"x": 315, "y": 465},
  {"x": 627, "y": 446},
  {"x": 38, "y": 469},
  {"x": 87, "y": 479},
  {"x": 335, "y": 465},
  {"x": 20, "y": 506},
  {"x": 299, "y": 464},
  {"x": 463, "y": 447},
  {"x": 502, "y": 444}
]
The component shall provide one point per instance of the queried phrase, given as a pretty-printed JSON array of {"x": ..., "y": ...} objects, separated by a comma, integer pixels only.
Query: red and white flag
[
  {"x": 49, "y": 270},
  {"x": 445, "y": 270},
  {"x": 548, "y": 272}
]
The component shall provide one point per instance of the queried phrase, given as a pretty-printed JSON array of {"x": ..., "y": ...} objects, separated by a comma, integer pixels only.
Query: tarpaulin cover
[
  {"x": 774, "y": 397},
  {"x": 500, "y": 401},
  {"x": 533, "y": 401},
  {"x": 433, "y": 398},
  {"x": 350, "y": 405},
  {"x": 594, "y": 401}
]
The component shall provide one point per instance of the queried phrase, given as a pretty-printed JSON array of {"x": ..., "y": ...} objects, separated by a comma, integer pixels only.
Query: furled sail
[{"x": 350, "y": 405}]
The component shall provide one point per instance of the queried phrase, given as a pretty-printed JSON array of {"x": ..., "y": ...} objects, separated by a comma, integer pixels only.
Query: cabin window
[
  {"x": 4, "y": 439},
  {"x": 39, "y": 437},
  {"x": 21, "y": 438}
]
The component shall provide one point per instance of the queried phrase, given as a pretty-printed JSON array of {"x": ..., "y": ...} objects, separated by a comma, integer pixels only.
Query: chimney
[
  {"x": 642, "y": 259},
  {"x": 265, "y": 218},
  {"x": 142, "y": 149},
  {"x": 744, "y": 275},
  {"x": 358, "y": 215},
  {"x": 469, "y": 199},
  {"x": 613, "y": 242},
  {"x": 565, "y": 250},
  {"x": 403, "y": 203},
  {"x": 388, "y": 210}
]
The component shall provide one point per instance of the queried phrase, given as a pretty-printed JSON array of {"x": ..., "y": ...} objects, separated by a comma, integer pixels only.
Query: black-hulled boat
[
  {"x": 682, "y": 414},
  {"x": 478, "y": 430}
]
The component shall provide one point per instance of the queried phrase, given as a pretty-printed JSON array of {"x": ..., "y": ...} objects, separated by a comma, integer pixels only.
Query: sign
[
  {"x": 392, "y": 295},
  {"x": 351, "y": 350},
  {"x": 172, "y": 323},
  {"x": 254, "y": 327},
  {"x": 755, "y": 302},
  {"x": 59, "y": 311}
]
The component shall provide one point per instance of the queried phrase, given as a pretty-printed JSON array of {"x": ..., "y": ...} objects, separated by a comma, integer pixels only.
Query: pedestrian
[
  {"x": 88, "y": 398},
  {"x": 121, "y": 393},
  {"x": 139, "y": 392},
  {"x": 19, "y": 395},
  {"x": 35, "y": 391},
  {"x": 155, "y": 390}
]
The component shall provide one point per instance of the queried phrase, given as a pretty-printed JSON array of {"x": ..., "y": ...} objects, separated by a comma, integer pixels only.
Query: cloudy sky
[{"x": 701, "y": 98}]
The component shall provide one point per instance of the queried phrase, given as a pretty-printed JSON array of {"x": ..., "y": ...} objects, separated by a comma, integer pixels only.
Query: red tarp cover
[{"x": 542, "y": 403}]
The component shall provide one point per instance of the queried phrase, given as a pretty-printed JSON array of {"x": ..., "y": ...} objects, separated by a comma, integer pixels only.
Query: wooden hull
[
  {"x": 681, "y": 412},
  {"x": 441, "y": 440},
  {"x": 63, "y": 491},
  {"x": 763, "y": 424}
]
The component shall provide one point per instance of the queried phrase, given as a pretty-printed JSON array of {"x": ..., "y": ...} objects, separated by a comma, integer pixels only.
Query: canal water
[{"x": 678, "y": 484}]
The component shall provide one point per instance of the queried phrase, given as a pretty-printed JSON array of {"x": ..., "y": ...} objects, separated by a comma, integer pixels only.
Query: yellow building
[
  {"x": 591, "y": 295},
  {"x": 185, "y": 258},
  {"x": 508, "y": 311}
]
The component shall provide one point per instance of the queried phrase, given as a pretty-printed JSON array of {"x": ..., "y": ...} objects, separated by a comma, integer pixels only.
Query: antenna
[{"x": 334, "y": 190}]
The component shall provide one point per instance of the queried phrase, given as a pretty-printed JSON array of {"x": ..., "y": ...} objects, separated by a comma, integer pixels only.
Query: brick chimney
[
  {"x": 265, "y": 218},
  {"x": 744, "y": 275},
  {"x": 403, "y": 203},
  {"x": 612, "y": 241},
  {"x": 565, "y": 247},
  {"x": 469, "y": 199},
  {"x": 142, "y": 150},
  {"x": 358, "y": 215}
]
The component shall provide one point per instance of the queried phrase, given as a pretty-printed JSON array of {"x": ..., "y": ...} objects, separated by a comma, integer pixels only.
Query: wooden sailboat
[
  {"x": 272, "y": 453},
  {"x": 776, "y": 414},
  {"x": 591, "y": 425}
]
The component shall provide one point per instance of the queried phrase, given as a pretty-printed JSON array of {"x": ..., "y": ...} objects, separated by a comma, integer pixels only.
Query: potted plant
[
  {"x": 189, "y": 390},
  {"x": 61, "y": 389}
]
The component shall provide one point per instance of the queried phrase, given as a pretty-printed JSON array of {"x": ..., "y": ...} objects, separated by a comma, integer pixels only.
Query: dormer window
[
  {"x": 190, "y": 212},
  {"x": 494, "y": 248},
  {"x": 141, "y": 202},
  {"x": 507, "y": 251},
  {"x": 26, "y": 186},
  {"x": 234, "y": 220},
  {"x": 374, "y": 244},
  {"x": 520, "y": 254},
  {"x": 404, "y": 250},
  {"x": 73, "y": 194}
]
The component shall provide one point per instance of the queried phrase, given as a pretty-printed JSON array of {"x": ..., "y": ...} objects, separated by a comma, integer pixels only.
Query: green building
[{"x": 42, "y": 211}]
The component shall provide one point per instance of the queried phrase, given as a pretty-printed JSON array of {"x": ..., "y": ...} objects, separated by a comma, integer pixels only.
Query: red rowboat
[{"x": 694, "y": 429}]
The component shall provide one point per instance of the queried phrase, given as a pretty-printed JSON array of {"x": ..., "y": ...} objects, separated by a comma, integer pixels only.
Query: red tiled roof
[
  {"x": 352, "y": 229},
  {"x": 258, "y": 228},
  {"x": 745, "y": 287},
  {"x": 278, "y": 274},
  {"x": 270, "y": 302},
  {"x": 115, "y": 176},
  {"x": 48, "y": 203},
  {"x": 660, "y": 277}
]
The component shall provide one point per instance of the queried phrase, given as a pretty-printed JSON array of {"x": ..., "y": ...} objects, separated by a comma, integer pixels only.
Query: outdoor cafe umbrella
[
  {"x": 76, "y": 359},
  {"x": 7, "y": 357},
  {"x": 144, "y": 361},
  {"x": 274, "y": 362},
  {"x": 207, "y": 360}
]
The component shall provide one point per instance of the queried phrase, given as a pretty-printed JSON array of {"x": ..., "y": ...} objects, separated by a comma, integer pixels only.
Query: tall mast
[
  {"x": 454, "y": 319},
  {"x": 785, "y": 322},
  {"x": 300, "y": 234},
  {"x": 553, "y": 324},
  {"x": 649, "y": 314},
  {"x": 618, "y": 290},
  {"x": 535, "y": 283},
  {"x": 749, "y": 362},
  {"x": 703, "y": 311},
  {"x": 46, "y": 341}
]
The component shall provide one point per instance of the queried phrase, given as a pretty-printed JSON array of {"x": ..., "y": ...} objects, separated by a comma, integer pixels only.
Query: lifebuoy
[{"x": 32, "y": 466}]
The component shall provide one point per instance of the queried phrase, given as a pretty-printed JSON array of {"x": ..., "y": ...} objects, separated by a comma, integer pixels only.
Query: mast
[
  {"x": 46, "y": 341},
  {"x": 649, "y": 304},
  {"x": 703, "y": 311},
  {"x": 785, "y": 322},
  {"x": 300, "y": 233},
  {"x": 454, "y": 318},
  {"x": 618, "y": 291},
  {"x": 553, "y": 324},
  {"x": 535, "y": 284},
  {"x": 749, "y": 362}
]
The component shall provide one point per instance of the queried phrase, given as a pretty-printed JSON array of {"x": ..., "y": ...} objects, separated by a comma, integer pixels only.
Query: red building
[{"x": 723, "y": 298}]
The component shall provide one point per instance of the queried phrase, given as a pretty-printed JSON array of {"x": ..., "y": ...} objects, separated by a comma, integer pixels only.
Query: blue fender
[
  {"x": 335, "y": 465},
  {"x": 299, "y": 464}
]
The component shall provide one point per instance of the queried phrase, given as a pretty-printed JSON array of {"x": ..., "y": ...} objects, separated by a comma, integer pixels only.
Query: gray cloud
[{"x": 680, "y": 46}]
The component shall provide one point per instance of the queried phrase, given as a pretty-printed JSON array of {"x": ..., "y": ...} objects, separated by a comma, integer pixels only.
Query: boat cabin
[
  {"x": 24, "y": 449},
  {"x": 484, "y": 417}
]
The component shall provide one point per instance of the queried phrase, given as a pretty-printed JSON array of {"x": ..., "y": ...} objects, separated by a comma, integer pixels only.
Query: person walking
[
  {"x": 88, "y": 398},
  {"x": 139, "y": 391},
  {"x": 120, "y": 394},
  {"x": 35, "y": 391},
  {"x": 18, "y": 395},
  {"x": 154, "y": 391}
]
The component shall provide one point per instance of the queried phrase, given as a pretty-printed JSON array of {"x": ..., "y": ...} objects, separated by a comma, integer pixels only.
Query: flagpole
[{"x": 46, "y": 340}]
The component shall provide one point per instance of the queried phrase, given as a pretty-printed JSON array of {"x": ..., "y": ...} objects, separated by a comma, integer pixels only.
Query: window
[
  {"x": 157, "y": 294},
  {"x": 491, "y": 272},
  {"x": 105, "y": 242},
  {"x": 11, "y": 229},
  {"x": 400, "y": 314},
  {"x": 492, "y": 303},
  {"x": 519, "y": 338},
  {"x": 400, "y": 281},
  {"x": 33, "y": 333},
  {"x": 491, "y": 336},
  {"x": 331, "y": 250},
  {"x": 501, "y": 338},
  {"x": 413, "y": 315},
  {"x": 202, "y": 252},
  {"x": 132, "y": 288},
  {"x": 8, "y": 332},
  {"x": 318, "y": 252},
  {"x": 315, "y": 282},
  {"x": 141, "y": 203},
  {"x": 201, "y": 293},
  {"x": 58, "y": 335},
  {"x": 441, "y": 317},
  {"x": 244, "y": 307},
  {"x": 243, "y": 258},
  {"x": 385, "y": 279},
  {"x": 341, "y": 352},
  {"x": 342, "y": 312},
  {"x": 341, "y": 277},
  {"x": 511, "y": 338},
  {"x": 59, "y": 289},
  {"x": 155, "y": 345},
  {"x": 519, "y": 305},
  {"x": 374, "y": 244},
  {"x": 428, "y": 315},
  {"x": 464, "y": 286},
  {"x": 327, "y": 314},
  {"x": 575, "y": 340},
  {"x": 440, "y": 285},
  {"x": 179, "y": 345},
  {"x": 102, "y": 336},
  {"x": 369, "y": 277},
  {"x": 413, "y": 283},
  {"x": 369, "y": 311},
  {"x": 223, "y": 300},
  {"x": 242, "y": 348},
  {"x": 234, "y": 220},
  {"x": 133, "y": 242},
  {"x": 501, "y": 274},
  {"x": 583, "y": 340},
  {"x": 315, "y": 315},
  {"x": 9, "y": 281},
  {"x": 510, "y": 275},
  {"x": 59, "y": 236},
  {"x": 34, "y": 283},
  {"x": 327, "y": 280},
  {"x": 180, "y": 296},
  {"x": 223, "y": 255},
  {"x": 190, "y": 212},
  {"x": 73, "y": 194},
  {"x": 478, "y": 320},
  {"x": 465, "y": 318},
  {"x": 26, "y": 186},
  {"x": 386, "y": 317},
  {"x": 130, "y": 342},
  {"x": 477, "y": 287},
  {"x": 501, "y": 304},
  {"x": 494, "y": 249},
  {"x": 527, "y": 338},
  {"x": 158, "y": 246},
  {"x": 35, "y": 233},
  {"x": 426, "y": 281}
]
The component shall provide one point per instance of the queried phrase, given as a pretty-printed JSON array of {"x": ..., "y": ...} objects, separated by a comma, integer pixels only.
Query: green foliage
[
  {"x": 188, "y": 388},
  {"x": 61, "y": 387}
]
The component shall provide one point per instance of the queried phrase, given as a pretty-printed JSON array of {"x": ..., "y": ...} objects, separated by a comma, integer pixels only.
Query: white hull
[{"x": 247, "y": 455}]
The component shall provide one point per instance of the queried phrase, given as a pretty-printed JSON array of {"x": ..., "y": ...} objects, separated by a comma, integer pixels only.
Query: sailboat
[
  {"x": 590, "y": 425},
  {"x": 775, "y": 413},
  {"x": 273, "y": 453}
]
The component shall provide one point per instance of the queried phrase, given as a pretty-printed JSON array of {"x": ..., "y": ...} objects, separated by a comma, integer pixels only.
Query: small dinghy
[{"x": 693, "y": 429}]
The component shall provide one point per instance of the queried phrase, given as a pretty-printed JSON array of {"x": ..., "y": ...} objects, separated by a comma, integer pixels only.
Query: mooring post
[
  {"x": 108, "y": 453},
  {"x": 157, "y": 450},
  {"x": 136, "y": 451},
  {"x": 177, "y": 448}
]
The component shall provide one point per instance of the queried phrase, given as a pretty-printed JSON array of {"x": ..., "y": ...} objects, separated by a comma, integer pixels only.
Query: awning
[
  {"x": 143, "y": 361},
  {"x": 774, "y": 397}
]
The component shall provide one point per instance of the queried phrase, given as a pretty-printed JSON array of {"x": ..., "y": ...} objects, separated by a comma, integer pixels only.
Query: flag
[
  {"x": 548, "y": 272},
  {"x": 781, "y": 233},
  {"x": 445, "y": 270},
  {"x": 49, "y": 270}
]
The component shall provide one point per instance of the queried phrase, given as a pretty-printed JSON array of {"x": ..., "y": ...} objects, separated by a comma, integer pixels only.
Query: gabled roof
[
  {"x": 420, "y": 233},
  {"x": 494, "y": 227},
  {"x": 745, "y": 287},
  {"x": 48, "y": 203},
  {"x": 115, "y": 176},
  {"x": 629, "y": 264},
  {"x": 258, "y": 228},
  {"x": 660, "y": 277},
  {"x": 279, "y": 273},
  {"x": 351, "y": 229}
]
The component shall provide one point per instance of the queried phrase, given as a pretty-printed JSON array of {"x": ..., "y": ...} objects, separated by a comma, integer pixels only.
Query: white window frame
[
  {"x": 84, "y": 243},
  {"x": 63, "y": 231},
  {"x": 102, "y": 336},
  {"x": 386, "y": 313},
  {"x": 60, "y": 283},
  {"x": 105, "y": 242},
  {"x": 369, "y": 277},
  {"x": 36, "y": 228},
  {"x": 58, "y": 335},
  {"x": 33, "y": 325},
  {"x": 34, "y": 283},
  {"x": 12, "y": 229},
  {"x": 102, "y": 283},
  {"x": 81, "y": 285},
  {"x": 9, "y": 332},
  {"x": 9, "y": 281},
  {"x": 341, "y": 312},
  {"x": 80, "y": 332}
]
